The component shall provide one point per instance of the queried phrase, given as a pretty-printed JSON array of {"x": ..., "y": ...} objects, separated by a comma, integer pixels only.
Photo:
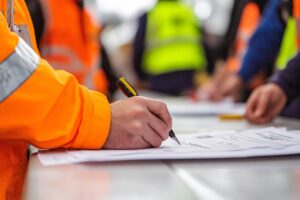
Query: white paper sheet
[{"x": 226, "y": 144}]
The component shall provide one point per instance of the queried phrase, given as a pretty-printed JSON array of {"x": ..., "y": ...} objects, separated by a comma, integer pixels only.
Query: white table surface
[{"x": 254, "y": 178}]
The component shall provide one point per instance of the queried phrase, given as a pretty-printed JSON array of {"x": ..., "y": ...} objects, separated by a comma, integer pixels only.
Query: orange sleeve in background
[
  {"x": 296, "y": 9},
  {"x": 100, "y": 81},
  {"x": 248, "y": 23},
  {"x": 296, "y": 13}
]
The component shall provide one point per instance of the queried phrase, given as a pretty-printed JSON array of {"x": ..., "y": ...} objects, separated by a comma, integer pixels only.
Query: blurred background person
[
  {"x": 168, "y": 49},
  {"x": 69, "y": 39},
  {"x": 273, "y": 44},
  {"x": 245, "y": 19}
]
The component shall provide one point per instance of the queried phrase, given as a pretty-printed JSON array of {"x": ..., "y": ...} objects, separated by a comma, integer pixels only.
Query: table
[{"x": 253, "y": 178}]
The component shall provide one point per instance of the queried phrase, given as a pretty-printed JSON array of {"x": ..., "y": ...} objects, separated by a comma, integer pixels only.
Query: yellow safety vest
[
  {"x": 291, "y": 40},
  {"x": 288, "y": 47},
  {"x": 172, "y": 40}
]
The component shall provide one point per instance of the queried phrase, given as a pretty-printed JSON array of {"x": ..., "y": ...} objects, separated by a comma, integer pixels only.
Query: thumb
[{"x": 263, "y": 104}]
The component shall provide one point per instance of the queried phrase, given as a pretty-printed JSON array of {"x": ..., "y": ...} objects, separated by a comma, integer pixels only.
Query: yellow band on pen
[{"x": 128, "y": 86}]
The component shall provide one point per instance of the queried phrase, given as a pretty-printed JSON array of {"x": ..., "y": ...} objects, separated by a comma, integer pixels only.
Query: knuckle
[
  {"x": 137, "y": 126},
  {"x": 139, "y": 112}
]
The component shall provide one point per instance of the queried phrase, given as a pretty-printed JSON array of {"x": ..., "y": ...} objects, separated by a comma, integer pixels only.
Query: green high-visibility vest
[
  {"x": 172, "y": 40},
  {"x": 288, "y": 47}
]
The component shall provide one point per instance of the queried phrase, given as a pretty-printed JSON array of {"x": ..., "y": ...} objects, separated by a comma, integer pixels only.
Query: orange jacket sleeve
[{"x": 44, "y": 107}]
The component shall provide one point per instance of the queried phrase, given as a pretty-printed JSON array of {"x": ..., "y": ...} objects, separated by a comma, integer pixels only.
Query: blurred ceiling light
[
  {"x": 124, "y": 8},
  {"x": 203, "y": 9}
]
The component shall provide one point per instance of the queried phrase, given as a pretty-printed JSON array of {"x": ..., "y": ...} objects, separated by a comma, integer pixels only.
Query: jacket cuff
[
  {"x": 282, "y": 84},
  {"x": 96, "y": 122}
]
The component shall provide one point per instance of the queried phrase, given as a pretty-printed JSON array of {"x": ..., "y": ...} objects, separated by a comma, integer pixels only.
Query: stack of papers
[{"x": 226, "y": 144}]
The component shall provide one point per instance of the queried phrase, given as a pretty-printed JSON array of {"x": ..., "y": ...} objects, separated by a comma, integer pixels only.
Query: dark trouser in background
[{"x": 174, "y": 83}]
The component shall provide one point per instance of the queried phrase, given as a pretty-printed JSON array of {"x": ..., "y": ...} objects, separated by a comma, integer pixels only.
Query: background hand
[
  {"x": 265, "y": 103},
  {"x": 216, "y": 90},
  {"x": 232, "y": 87},
  {"x": 209, "y": 91}
]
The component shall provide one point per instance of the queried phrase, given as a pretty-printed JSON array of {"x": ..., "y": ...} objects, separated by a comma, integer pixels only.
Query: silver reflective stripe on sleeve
[{"x": 17, "y": 68}]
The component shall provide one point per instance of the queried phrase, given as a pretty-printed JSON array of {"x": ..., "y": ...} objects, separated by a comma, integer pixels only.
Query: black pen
[{"x": 129, "y": 91}]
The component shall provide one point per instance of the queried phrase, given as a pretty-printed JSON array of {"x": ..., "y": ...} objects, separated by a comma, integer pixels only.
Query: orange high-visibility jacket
[
  {"x": 296, "y": 13},
  {"x": 70, "y": 41},
  {"x": 39, "y": 105}
]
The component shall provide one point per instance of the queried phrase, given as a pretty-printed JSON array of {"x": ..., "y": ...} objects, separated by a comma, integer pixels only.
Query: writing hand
[{"x": 138, "y": 122}]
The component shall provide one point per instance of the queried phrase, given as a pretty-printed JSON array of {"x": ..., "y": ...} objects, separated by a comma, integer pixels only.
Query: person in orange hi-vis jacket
[
  {"x": 69, "y": 40},
  {"x": 49, "y": 109}
]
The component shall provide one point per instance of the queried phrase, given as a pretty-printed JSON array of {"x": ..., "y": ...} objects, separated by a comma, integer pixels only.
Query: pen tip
[{"x": 175, "y": 138}]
